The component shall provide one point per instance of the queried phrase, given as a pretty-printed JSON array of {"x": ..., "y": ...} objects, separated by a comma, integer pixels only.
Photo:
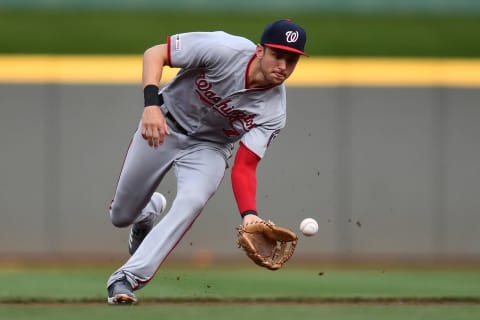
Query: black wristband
[
  {"x": 246, "y": 213},
  {"x": 150, "y": 94}
]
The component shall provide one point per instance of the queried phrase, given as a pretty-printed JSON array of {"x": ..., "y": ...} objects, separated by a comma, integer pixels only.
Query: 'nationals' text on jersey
[{"x": 209, "y": 97}]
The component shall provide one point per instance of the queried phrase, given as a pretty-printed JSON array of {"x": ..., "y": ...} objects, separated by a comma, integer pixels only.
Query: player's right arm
[
  {"x": 154, "y": 125},
  {"x": 244, "y": 183}
]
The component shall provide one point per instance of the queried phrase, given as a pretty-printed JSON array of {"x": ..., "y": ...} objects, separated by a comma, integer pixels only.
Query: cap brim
[{"x": 290, "y": 49}]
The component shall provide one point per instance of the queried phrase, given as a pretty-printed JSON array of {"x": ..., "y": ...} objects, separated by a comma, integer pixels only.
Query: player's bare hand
[
  {"x": 251, "y": 218},
  {"x": 154, "y": 126}
]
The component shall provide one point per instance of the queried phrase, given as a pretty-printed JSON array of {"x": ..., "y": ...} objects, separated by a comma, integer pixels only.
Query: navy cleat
[
  {"x": 121, "y": 292},
  {"x": 140, "y": 229}
]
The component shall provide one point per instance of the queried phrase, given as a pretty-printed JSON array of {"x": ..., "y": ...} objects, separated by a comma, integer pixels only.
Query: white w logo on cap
[{"x": 292, "y": 36}]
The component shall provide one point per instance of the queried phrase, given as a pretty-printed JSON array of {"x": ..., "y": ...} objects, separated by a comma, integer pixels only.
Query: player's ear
[{"x": 260, "y": 51}]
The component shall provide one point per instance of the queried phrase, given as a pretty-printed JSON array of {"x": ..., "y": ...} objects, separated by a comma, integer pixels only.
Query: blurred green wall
[
  {"x": 247, "y": 5},
  {"x": 347, "y": 34}
]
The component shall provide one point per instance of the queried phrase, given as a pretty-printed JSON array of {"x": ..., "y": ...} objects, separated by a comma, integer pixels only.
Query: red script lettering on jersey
[{"x": 207, "y": 95}]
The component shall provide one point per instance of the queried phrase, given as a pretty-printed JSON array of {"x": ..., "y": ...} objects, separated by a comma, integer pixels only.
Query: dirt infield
[{"x": 208, "y": 301}]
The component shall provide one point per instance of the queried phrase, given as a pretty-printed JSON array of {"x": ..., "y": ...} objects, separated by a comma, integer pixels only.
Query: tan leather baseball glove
[{"x": 266, "y": 244}]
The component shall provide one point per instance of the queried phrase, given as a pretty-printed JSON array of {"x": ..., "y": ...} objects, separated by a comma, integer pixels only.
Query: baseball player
[{"x": 227, "y": 90}]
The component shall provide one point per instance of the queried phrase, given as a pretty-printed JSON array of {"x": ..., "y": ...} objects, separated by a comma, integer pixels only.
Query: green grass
[
  {"x": 280, "y": 312},
  {"x": 247, "y": 292},
  {"x": 97, "y": 32},
  {"x": 250, "y": 283}
]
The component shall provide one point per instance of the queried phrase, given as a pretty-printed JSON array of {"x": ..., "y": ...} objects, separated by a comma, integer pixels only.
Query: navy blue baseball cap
[{"x": 285, "y": 35}]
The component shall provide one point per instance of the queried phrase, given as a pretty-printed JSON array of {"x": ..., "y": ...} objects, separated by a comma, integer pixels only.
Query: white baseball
[{"x": 309, "y": 227}]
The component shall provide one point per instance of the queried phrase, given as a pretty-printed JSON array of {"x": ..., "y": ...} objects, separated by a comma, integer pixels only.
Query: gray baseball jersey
[{"x": 209, "y": 99}]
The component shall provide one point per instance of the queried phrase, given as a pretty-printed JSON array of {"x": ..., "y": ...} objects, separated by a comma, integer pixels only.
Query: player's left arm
[
  {"x": 244, "y": 183},
  {"x": 154, "y": 125}
]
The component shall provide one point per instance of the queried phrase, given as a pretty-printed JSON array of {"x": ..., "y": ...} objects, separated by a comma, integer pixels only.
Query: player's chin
[{"x": 278, "y": 78}]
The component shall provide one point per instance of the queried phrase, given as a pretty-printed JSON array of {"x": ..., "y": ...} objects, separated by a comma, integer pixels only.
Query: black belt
[
  {"x": 176, "y": 124},
  {"x": 171, "y": 118}
]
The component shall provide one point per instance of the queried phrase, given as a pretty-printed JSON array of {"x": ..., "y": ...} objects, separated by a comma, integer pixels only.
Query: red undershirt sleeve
[{"x": 244, "y": 179}]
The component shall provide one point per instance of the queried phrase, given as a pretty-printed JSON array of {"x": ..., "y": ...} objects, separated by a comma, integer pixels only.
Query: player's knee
[
  {"x": 120, "y": 220},
  {"x": 196, "y": 201},
  {"x": 120, "y": 223}
]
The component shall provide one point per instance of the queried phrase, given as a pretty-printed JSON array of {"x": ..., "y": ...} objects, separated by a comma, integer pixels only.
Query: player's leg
[
  {"x": 135, "y": 200},
  {"x": 198, "y": 175},
  {"x": 142, "y": 171}
]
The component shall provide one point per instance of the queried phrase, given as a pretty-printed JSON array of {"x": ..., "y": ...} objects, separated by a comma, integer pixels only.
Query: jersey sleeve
[
  {"x": 203, "y": 49},
  {"x": 259, "y": 138}
]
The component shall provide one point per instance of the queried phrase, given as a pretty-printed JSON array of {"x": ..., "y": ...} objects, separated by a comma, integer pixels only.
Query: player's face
[{"x": 277, "y": 65}]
